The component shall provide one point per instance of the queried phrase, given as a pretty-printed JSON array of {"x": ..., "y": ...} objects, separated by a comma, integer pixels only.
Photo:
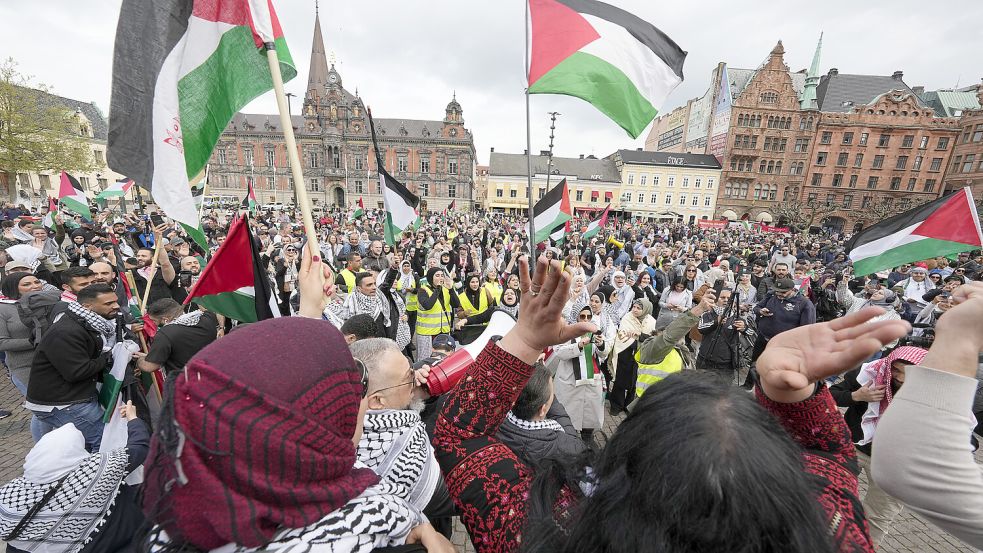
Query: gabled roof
[
  {"x": 514, "y": 165},
  {"x": 699, "y": 161},
  {"x": 384, "y": 127},
  {"x": 97, "y": 121},
  {"x": 951, "y": 103},
  {"x": 739, "y": 79},
  {"x": 838, "y": 92}
]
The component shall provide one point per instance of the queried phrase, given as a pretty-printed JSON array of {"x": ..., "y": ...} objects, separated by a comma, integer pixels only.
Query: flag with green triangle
[
  {"x": 49, "y": 217},
  {"x": 359, "y": 211},
  {"x": 72, "y": 197},
  {"x": 249, "y": 202},
  {"x": 597, "y": 225}
]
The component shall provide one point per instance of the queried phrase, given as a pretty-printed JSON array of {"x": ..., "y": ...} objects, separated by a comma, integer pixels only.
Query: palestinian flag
[
  {"x": 249, "y": 202},
  {"x": 234, "y": 283},
  {"x": 71, "y": 196},
  {"x": 49, "y": 217},
  {"x": 621, "y": 64},
  {"x": 597, "y": 225},
  {"x": 551, "y": 211},
  {"x": 450, "y": 207},
  {"x": 359, "y": 211},
  {"x": 948, "y": 225},
  {"x": 182, "y": 68},
  {"x": 560, "y": 233},
  {"x": 401, "y": 205},
  {"x": 198, "y": 233},
  {"x": 116, "y": 190}
]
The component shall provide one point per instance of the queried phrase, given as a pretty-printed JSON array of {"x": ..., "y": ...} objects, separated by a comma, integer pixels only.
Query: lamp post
[{"x": 549, "y": 160}]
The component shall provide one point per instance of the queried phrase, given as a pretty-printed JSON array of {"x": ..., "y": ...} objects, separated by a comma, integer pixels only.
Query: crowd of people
[{"x": 727, "y": 356}]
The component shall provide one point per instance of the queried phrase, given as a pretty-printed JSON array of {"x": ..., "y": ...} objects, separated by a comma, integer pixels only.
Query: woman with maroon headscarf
[{"x": 256, "y": 451}]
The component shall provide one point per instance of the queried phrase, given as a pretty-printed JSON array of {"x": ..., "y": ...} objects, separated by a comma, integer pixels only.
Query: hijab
[{"x": 511, "y": 309}]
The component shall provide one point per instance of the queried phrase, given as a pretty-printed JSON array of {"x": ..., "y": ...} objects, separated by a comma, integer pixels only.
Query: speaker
[{"x": 446, "y": 373}]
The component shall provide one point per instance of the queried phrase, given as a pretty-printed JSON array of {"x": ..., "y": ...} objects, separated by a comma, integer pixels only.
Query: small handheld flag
[{"x": 401, "y": 204}]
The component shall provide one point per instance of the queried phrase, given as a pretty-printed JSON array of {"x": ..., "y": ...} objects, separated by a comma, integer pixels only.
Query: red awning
[
  {"x": 593, "y": 195},
  {"x": 608, "y": 196}
]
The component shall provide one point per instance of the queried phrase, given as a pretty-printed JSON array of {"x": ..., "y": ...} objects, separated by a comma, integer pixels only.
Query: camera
[
  {"x": 924, "y": 341},
  {"x": 184, "y": 279}
]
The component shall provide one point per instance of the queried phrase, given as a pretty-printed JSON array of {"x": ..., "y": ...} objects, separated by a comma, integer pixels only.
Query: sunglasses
[{"x": 586, "y": 316}]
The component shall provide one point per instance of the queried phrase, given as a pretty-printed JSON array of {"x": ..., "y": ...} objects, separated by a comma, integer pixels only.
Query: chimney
[
  {"x": 525, "y": 152},
  {"x": 833, "y": 71},
  {"x": 638, "y": 149},
  {"x": 581, "y": 156},
  {"x": 897, "y": 75},
  {"x": 544, "y": 153},
  {"x": 493, "y": 149},
  {"x": 918, "y": 90}
]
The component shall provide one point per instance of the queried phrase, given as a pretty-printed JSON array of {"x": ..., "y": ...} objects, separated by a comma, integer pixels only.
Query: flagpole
[
  {"x": 532, "y": 222},
  {"x": 288, "y": 134}
]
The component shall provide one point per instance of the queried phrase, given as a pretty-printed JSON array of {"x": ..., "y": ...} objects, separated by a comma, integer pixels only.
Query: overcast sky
[{"x": 406, "y": 58}]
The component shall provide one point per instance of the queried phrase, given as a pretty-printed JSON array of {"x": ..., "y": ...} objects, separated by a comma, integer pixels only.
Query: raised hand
[
  {"x": 797, "y": 358},
  {"x": 959, "y": 333},
  {"x": 541, "y": 323},
  {"x": 311, "y": 284}
]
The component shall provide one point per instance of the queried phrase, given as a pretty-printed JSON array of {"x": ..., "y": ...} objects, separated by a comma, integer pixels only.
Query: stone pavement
[{"x": 910, "y": 534}]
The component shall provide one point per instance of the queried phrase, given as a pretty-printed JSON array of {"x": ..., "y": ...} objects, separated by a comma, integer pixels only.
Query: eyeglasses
[
  {"x": 586, "y": 316},
  {"x": 365, "y": 377},
  {"x": 690, "y": 270},
  {"x": 411, "y": 384}
]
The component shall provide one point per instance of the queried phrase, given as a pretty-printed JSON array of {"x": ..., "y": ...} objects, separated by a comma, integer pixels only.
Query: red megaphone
[{"x": 447, "y": 372}]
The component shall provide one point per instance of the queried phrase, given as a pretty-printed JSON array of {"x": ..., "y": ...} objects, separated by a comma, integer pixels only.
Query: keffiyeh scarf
[
  {"x": 395, "y": 446},
  {"x": 545, "y": 424},
  {"x": 105, "y": 328},
  {"x": 73, "y": 514},
  {"x": 878, "y": 373},
  {"x": 358, "y": 303},
  {"x": 188, "y": 319}
]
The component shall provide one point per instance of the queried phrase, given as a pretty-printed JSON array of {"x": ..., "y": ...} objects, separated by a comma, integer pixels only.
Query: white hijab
[{"x": 56, "y": 454}]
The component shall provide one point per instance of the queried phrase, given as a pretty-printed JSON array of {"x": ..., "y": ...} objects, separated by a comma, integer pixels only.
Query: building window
[
  {"x": 863, "y": 138},
  {"x": 837, "y": 179},
  {"x": 654, "y": 199},
  {"x": 336, "y": 157},
  {"x": 270, "y": 158},
  {"x": 827, "y": 137},
  {"x": 451, "y": 190},
  {"x": 641, "y": 197},
  {"x": 358, "y": 162},
  {"x": 769, "y": 98},
  {"x": 671, "y": 181},
  {"x": 513, "y": 193},
  {"x": 911, "y": 184},
  {"x": 757, "y": 191},
  {"x": 812, "y": 197},
  {"x": 841, "y": 159},
  {"x": 895, "y": 183},
  {"x": 821, "y": 158},
  {"x": 668, "y": 199},
  {"x": 853, "y": 181},
  {"x": 848, "y": 138},
  {"x": 685, "y": 182},
  {"x": 872, "y": 183},
  {"x": 697, "y": 182},
  {"x": 943, "y": 143},
  {"x": 936, "y": 165},
  {"x": 929, "y": 185},
  {"x": 655, "y": 180},
  {"x": 579, "y": 196},
  {"x": 908, "y": 141},
  {"x": 801, "y": 144},
  {"x": 696, "y": 200},
  {"x": 682, "y": 199},
  {"x": 359, "y": 187},
  {"x": 627, "y": 197},
  {"x": 878, "y": 162},
  {"x": 830, "y": 199},
  {"x": 644, "y": 180},
  {"x": 923, "y": 143},
  {"x": 968, "y": 163},
  {"x": 101, "y": 183},
  {"x": 498, "y": 192},
  {"x": 45, "y": 181},
  {"x": 378, "y": 187},
  {"x": 631, "y": 178},
  {"x": 452, "y": 166},
  {"x": 315, "y": 185},
  {"x": 425, "y": 189},
  {"x": 710, "y": 183},
  {"x": 847, "y": 201},
  {"x": 858, "y": 160},
  {"x": 917, "y": 165},
  {"x": 866, "y": 202},
  {"x": 424, "y": 164},
  {"x": 817, "y": 179},
  {"x": 222, "y": 156},
  {"x": 707, "y": 200},
  {"x": 542, "y": 192},
  {"x": 884, "y": 140},
  {"x": 401, "y": 164},
  {"x": 978, "y": 133},
  {"x": 902, "y": 163}
]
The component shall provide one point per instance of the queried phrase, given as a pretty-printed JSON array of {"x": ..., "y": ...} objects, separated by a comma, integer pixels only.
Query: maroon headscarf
[{"x": 260, "y": 425}]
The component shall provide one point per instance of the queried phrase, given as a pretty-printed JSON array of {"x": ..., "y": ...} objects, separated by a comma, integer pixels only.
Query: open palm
[{"x": 796, "y": 358}]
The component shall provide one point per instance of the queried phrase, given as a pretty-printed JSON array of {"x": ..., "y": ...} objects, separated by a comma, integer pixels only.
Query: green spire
[{"x": 808, "y": 98}]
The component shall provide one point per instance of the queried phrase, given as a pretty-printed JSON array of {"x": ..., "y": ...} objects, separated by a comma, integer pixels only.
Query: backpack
[{"x": 35, "y": 310}]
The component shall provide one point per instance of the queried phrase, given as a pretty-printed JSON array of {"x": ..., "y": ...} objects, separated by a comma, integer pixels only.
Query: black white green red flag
[
  {"x": 181, "y": 70},
  {"x": 234, "y": 283},
  {"x": 49, "y": 217},
  {"x": 71, "y": 196},
  {"x": 621, "y": 64},
  {"x": 552, "y": 211},
  {"x": 249, "y": 202},
  {"x": 598, "y": 224},
  {"x": 359, "y": 211},
  {"x": 400, "y": 204},
  {"x": 945, "y": 226}
]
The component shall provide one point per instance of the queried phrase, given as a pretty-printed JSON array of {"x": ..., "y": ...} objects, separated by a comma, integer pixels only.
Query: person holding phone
[{"x": 781, "y": 310}]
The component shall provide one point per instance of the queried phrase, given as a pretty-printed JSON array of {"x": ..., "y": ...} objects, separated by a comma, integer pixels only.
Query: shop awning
[
  {"x": 608, "y": 196},
  {"x": 593, "y": 194}
]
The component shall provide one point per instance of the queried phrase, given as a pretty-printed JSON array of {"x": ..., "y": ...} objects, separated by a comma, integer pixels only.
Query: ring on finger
[{"x": 533, "y": 294}]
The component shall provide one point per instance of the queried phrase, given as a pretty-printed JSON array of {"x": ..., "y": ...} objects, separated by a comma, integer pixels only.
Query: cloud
[{"x": 407, "y": 58}]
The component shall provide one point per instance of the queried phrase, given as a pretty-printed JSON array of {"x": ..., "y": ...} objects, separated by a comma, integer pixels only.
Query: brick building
[
  {"x": 966, "y": 168},
  {"x": 769, "y": 138},
  {"x": 878, "y": 149},
  {"x": 434, "y": 158}
]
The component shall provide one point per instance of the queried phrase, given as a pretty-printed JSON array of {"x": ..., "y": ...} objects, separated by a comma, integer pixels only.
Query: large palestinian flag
[
  {"x": 71, "y": 196},
  {"x": 400, "y": 203},
  {"x": 182, "y": 68},
  {"x": 551, "y": 212},
  {"x": 946, "y": 226},
  {"x": 116, "y": 190},
  {"x": 618, "y": 62},
  {"x": 598, "y": 224},
  {"x": 234, "y": 283}
]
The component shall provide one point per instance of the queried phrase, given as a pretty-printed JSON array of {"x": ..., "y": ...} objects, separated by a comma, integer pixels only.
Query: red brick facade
[{"x": 966, "y": 167}]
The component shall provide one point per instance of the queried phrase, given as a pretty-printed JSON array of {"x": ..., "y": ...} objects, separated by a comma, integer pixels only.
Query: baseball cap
[
  {"x": 784, "y": 285},
  {"x": 177, "y": 241},
  {"x": 444, "y": 341},
  {"x": 12, "y": 266}
]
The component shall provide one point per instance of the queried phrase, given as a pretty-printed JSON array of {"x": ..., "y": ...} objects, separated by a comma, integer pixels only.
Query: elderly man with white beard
[{"x": 394, "y": 442}]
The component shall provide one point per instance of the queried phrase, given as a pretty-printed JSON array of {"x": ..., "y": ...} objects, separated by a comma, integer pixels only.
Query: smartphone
[
  {"x": 156, "y": 219},
  {"x": 718, "y": 287}
]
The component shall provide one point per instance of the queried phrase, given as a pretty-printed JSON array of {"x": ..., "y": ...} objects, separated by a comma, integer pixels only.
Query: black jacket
[
  {"x": 842, "y": 393},
  {"x": 68, "y": 363},
  {"x": 534, "y": 446}
]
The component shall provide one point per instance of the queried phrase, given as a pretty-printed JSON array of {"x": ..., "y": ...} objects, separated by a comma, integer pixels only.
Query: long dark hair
[
  {"x": 10, "y": 286},
  {"x": 697, "y": 466}
]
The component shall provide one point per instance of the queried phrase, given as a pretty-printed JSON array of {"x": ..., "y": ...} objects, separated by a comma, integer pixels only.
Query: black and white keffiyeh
[
  {"x": 395, "y": 445},
  {"x": 358, "y": 303},
  {"x": 105, "y": 327},
  {"x": 188, "y": 319},
  {"x": 73, "y": 514},
  {"x": 545, "y": 424}
]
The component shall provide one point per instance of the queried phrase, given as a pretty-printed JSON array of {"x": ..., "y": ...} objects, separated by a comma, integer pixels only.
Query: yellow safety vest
[
  {"x": 349, "y": 278},
  {"x": 495, "y": 289},
  {"x": 411, "y": 302},
  {"x": 651, "y": 374},
  {"x": 469, "y": 308},
  {"x": 437, "y": 319}
]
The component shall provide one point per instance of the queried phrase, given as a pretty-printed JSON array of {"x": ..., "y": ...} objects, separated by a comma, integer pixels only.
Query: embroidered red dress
[{"x": 490, "y": 485}]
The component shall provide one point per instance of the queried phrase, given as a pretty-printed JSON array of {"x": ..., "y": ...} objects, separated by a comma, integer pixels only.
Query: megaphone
[
  {"x": 447, "y": 372},
  {"x": 613, "y": 242}
]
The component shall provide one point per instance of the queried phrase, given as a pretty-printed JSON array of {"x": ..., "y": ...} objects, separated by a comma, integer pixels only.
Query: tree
[
  {"x": 37, "y": 134},
  {"x": 886, "y": 208},
  {"x": 802, "y": 216}
]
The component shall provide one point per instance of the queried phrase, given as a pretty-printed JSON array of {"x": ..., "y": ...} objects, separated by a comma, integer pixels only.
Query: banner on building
[
  {"x": 721, "y": 118},
  {"x": 768, "y": 228}
]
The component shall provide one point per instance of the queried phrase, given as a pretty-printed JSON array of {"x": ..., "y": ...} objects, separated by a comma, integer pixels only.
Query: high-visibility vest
[
  {"x": 469, "y": 308},
  {"x": 349, "y": 278},
  {"x": 495, "y": 289},
  {"x": 650, "y": 374},
  {"x": 411, "y": 302},
  {"x": 437, "y": 319}
]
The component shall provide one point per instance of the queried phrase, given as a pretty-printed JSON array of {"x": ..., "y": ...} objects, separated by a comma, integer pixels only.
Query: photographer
[
  {"x": 190, "y": 270},
  {"x": 728, "y": 335}
]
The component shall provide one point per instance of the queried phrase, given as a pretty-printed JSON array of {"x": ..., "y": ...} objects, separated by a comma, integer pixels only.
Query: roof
[
  {"x": 97, "y": 121},
  {"x": 739, "y": 78},
  {"x": 700, "y": 161},
  {"x": 950, "y": 103},
  {"x": 502, "y": 164},
  {"x": 385, "y": 127},
  {"x": 838, "y": 92}
]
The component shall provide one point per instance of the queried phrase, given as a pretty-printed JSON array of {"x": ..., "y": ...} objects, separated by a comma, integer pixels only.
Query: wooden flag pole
[{"x": 288, "y": 134}]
